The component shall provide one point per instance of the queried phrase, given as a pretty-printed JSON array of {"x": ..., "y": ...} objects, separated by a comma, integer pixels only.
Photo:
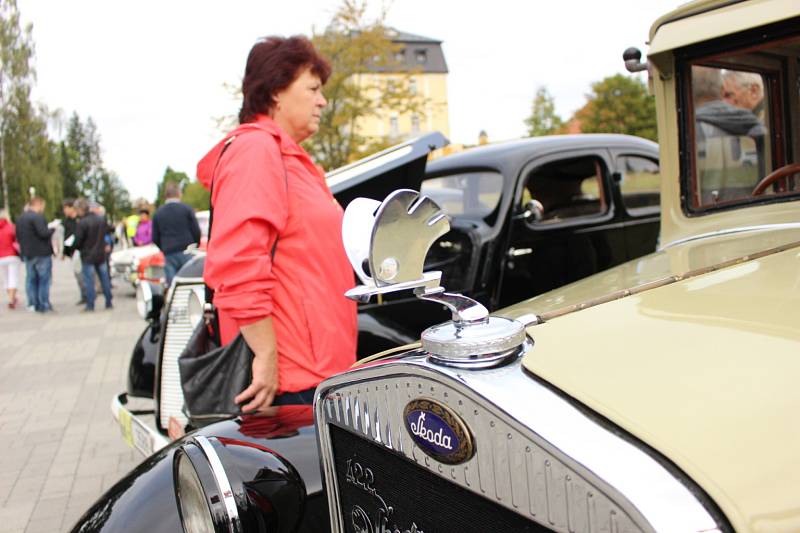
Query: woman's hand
[
  {"x": 264, "y": 387},
  {"x": 260, "y": 338}
]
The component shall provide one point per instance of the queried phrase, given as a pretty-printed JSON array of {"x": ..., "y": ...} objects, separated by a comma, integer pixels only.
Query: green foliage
[
  {"x": 195, "y": 195},
  {"x": 619, "y": 104},
  {"x": 543, "y": 119},
  {"x": 173, "y": 176},
  {"x": 27, "y": 157},
  {"x": 356, "y": 46},
  {"x": 82, "y": 172},
  {"x": 112, "y": 194}
]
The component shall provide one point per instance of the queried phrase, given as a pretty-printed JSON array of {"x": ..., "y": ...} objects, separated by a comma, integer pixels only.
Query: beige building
[{"x": 420, "y": 63}]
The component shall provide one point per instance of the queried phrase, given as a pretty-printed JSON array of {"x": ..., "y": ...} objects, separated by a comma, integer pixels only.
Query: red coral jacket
[
  {"x": 303, "y": 288},
  {"x": 7, "y": 238}
]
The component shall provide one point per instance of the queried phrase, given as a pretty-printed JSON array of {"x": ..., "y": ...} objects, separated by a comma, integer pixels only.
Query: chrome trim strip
[
  {"x": 731, "y": 231},
  {"x": 234, "y": 525},
  {"x": 574, "y": 451}
]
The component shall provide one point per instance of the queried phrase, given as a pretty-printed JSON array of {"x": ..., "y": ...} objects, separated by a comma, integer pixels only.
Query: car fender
[{"x": 144, "y": 500}]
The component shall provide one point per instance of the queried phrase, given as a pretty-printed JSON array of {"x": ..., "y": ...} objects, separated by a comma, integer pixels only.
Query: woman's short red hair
[{"x": 272, "y": 65}]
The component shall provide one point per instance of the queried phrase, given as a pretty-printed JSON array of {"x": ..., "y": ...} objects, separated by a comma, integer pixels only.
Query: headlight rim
[
  {"x": 203, "y": 456},
  {"x": 194, "y": 308},
  {"x": 144, "y": 306}
]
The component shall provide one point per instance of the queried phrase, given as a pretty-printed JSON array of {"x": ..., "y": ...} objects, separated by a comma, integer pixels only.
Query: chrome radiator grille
[
  {"x": 510, "y": 468},
  {"x": 178, "y": 331}
]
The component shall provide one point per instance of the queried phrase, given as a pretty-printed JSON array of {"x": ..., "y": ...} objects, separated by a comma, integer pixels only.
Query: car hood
[
  {"x": 129, "y": 254},
  {"x": 705, "y": 371},
  {"x": 400, "y": 167}
]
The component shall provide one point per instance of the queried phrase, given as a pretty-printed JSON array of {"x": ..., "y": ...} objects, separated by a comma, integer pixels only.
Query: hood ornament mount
[{"x": 386, "y": 243}]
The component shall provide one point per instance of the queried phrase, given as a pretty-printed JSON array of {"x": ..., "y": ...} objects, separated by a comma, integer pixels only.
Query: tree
[
  {"x": 195, "y": 195},
  {"x": 619, "y": 104},
  {"x": 112, "y": 194},
  {"x": 27, "y": 157},
  {"x": 173, "y": 176},
  {"x": 543, "y": 119},
  {"x": 357, "y": 47}
]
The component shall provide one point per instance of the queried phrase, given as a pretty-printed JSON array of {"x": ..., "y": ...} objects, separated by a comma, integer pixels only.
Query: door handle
[{"x": 518, "y": 252}]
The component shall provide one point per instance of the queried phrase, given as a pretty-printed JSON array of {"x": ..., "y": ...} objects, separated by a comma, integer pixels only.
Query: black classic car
[{"x": 525, "y": 217}]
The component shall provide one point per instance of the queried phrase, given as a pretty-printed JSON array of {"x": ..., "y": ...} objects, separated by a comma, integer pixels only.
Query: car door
[
  {"x": 574, "y": 231},
  {"x": 638, "y": 180}
]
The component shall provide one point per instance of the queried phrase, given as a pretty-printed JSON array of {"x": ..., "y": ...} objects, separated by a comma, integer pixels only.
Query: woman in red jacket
[
  {"x": 275, "y": 259},
  {"x": 9, "y": 257}
]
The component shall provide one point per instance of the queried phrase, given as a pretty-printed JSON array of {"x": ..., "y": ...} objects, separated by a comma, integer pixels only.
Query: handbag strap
[{"x": 209, "y": 292}]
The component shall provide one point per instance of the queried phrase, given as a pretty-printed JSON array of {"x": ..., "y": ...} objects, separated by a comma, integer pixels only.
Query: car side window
[
  {"x": 471, "y": 194},
  {"x": 566, "y": 189},
  {"x": 640, "y": 184}
]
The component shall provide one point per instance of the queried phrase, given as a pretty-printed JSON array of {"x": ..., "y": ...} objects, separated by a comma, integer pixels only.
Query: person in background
[
  {"x": 70, "y": 225},
  {"x": 744, "y": 90},
  {"x": 9, "y": 257},
  {"x": 275, "y": 256},
  {"x": 36, "y": 250},
  {"x": 90, "y": 240},
  {"x": 174, "y": 228},
  {"x": 144, "y": 231},
  {"x": 131, "y": 221}
]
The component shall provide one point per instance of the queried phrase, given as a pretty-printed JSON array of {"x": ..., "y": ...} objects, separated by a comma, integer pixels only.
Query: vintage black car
[{"x": 525, "y": 217}]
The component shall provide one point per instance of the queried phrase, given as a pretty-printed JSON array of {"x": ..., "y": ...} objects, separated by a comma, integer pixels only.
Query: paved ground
[{"x": 61, "y": 448}]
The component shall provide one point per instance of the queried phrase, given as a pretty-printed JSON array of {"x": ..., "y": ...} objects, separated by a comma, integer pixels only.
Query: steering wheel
[{"x": 775, "y": 175}]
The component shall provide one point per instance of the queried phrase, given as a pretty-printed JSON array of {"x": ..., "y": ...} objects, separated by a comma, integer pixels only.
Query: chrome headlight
[
  {"x": 195, "y": 309},
  {"x": 235, "y": 486},
  {"x": 203, "y": 490},
  {"x": 149, "y": 299}
]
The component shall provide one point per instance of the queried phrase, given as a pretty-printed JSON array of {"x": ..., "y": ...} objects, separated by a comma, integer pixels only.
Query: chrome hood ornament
[{"x": 387, "y": 242}]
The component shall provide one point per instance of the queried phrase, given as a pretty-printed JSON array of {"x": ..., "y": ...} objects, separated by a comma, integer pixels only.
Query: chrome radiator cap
[{"x": 473, "y": 344}]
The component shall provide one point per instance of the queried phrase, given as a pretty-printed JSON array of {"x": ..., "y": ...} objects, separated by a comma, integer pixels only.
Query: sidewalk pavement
[{"x": 58, "y": 373}]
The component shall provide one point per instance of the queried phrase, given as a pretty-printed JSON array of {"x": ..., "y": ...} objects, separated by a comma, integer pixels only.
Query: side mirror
[
  {"x": 534, "y": 211},
  {"x": 633, "y": 60}
]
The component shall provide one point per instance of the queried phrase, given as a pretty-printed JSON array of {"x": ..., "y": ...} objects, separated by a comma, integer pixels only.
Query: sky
[{"x": 153, "y": 74}]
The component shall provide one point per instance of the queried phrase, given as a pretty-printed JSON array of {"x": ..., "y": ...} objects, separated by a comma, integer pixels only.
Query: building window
[
  {"x": 400, "y": 55},
  {"x": 412, "y": 86},
  {"x": 415, "y": 124},
  {"x": 421, "y": 56},
  {"x": 394, "y": 130}
]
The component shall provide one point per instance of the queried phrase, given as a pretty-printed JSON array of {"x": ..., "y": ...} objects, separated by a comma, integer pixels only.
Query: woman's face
[{"x": 297, "y": 108}]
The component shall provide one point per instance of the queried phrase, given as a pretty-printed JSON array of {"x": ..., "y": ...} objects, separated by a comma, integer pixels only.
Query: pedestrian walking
[
  {"x": 36, "y": 250},
  {"x": 174, "y": 228},
  {"x": 144, "y": 231},
  {"x": 90, "y": 240},
  {"x": 70, "y": 225},
  {"x": 9, "y": 257}
]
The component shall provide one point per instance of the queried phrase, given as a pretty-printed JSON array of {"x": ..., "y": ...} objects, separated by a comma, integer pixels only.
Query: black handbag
[{"x": 213, "y": 375}]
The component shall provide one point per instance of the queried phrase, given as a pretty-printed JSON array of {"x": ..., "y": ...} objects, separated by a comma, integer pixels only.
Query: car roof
[{"x": 509, "y": 156}]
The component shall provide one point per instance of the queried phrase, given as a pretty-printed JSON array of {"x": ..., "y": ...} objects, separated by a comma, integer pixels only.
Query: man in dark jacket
[
  {"x": 33, "y": 237},
  {"x": 90, "y": 241},
  {"x": 174, "y": 228},
  {"x": 70, "y": 225}
]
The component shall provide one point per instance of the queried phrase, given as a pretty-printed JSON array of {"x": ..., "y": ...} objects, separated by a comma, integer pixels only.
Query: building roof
[
  {"x": 402, "y": 37},
  {"x": 417, "y": 52}
]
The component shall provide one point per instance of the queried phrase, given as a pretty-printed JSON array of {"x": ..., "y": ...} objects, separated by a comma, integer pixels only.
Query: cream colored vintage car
[{"x": 660, "y": 395}]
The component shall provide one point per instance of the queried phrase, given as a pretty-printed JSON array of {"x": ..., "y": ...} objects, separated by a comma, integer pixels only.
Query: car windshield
[
  {"x": 467, "y": 194},
  {"x": 743, "y": 109}
]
